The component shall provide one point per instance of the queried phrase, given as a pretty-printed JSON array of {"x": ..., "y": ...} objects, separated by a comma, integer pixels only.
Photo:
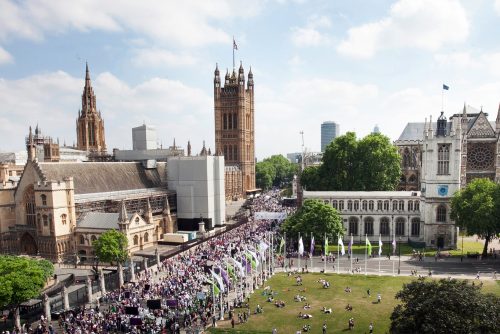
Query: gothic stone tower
[
  {"x": 234, "y": 129},
  {"x": 89, "y": 125}
]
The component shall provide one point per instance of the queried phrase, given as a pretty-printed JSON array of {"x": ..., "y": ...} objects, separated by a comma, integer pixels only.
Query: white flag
[
  {"x": 342, "y": 249},
  {"x": 218, "y": 279},
  {"x": 254, "y": 257},
  {"x": 379, "y": 245},
  {"x": 301, "y": 247},
  {"x": 262, "y": 248}
]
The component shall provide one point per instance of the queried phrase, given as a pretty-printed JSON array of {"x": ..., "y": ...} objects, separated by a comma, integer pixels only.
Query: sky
[{"x": 356, "y": 62}]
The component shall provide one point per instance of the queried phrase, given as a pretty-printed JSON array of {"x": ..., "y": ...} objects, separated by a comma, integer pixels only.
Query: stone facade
[{"x": 234, "y": 130}]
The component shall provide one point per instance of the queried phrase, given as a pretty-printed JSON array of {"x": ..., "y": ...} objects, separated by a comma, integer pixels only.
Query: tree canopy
[
  {"x": 275, "y": 171},
  {"x": 111, "y": 246},
  {"x": 476, "y": 208},
  {"x": 349, "y": 164},
  {"x": 445, "y": 306},
  {"x": 22, "y": 279},
  {"x": 314, "y": 217}
]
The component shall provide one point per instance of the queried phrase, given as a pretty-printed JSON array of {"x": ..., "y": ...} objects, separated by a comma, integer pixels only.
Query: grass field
[{"x": 365, "y": 309}]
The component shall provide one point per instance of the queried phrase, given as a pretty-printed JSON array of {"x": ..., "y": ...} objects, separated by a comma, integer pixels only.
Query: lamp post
[
  {"x": 399, "y": 251},
  {"x": 462, "y": 258}
]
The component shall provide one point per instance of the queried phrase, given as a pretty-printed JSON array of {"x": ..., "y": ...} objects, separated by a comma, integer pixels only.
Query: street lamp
[
  {"x": 399, "y": 264},
  {"x": 462, "y": 258}
]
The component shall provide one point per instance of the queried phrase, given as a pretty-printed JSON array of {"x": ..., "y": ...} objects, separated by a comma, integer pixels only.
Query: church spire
[
  {"x": 189, "y": 148},
  {"x": 498, "y": 120}
]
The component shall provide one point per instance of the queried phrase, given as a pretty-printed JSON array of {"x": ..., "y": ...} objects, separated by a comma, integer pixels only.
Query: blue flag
[{"x": 445, "y": 87}]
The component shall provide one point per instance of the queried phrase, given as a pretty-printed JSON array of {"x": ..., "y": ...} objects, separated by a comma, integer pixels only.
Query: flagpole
[
  {"x": 379, "y": 252},
  {"x": 338, "y": 256},
  {"x": 298, "y": 255},
  {"x": 284, "y": 252},
  {"x": 350, "y": 242},
  {"x": 213, "y": 299},
  {"x": 312, "y": 251},
  {"x": 366, "y": 252},
  {"x": 326, "y": 252},
  {"x": 234, "y": 66}
]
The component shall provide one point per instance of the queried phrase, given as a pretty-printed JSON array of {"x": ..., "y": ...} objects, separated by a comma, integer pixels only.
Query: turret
[
  {"x": 250, "y": 79},
  {"x": 226, "y": 81},
  {"x": 189, "y": 148},
  {"x": 123, "y": 217},
  {"x": 216, "y": 76},
  {"x": 241, "y": 75},
  {"x": 441, "y": 130},
  {"x": 30, "y": 147},
  {"x": 431, "y": 130}
]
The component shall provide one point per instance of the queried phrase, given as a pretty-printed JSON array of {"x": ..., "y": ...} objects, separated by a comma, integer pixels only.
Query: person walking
[
  {"x": 370, "y": 328},
  {"x": 324, "y": 328}
]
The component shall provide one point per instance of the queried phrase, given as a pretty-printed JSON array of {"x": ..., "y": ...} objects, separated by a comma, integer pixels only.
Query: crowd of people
[{"x": 182, "y": 285}]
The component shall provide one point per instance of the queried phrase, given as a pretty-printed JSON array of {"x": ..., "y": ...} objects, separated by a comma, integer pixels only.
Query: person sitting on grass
[
  {"x": 327, "y": 310},
  {"x": 307, "y": 306},
  {"x": 306, "y": 316},
  {"x": 326, "y": 285},
  {"x": 279, "y": 303},
  {"x": 306, "y": 328},
  {"x": 351, "y": 324},
  {"x": 348, "y": 307},
  {"x": 270, "y": 299},
  {"x": 347, "y": 289},
  {"x": 258, "y": 309}
]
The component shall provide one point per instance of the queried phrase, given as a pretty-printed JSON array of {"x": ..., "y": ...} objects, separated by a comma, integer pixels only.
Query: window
[
  {"x": 29, "y": 200},
  {"x": 356, "y": 205},
  {"x": 441, "y": 214},
  {"x": 341, "y": 205},
  {"x": 225, "y": 152},
  {"x": 401, "y": 205},
  {"x": 230, "y": 152},
  {"x": 229, "y": 121},
  {"x": 384, "y": 226},
  {"x": 371, "y": 205},
  {"x": 63, "y": 219},
  {"x": 394, "y": 205},
  {"x": 369, "y": 225},
  {"x": 235, "y": 152},
  {"x": 136, "y": 240},
  {"x": 417, "y": 205},
  {"x": 335, "y": 204},
  {"x": 146, "y": 237},
  {"x": 93, "y": 238},
  {"x": 235, "y": 121},
  {"x": 379, "y": 205},
  {"x": 45, "y": 219},
  {"x": 443, "y": 159},
  {"x": 364, "y": 205},
  {"x": 415, "y": 227},
  {"x": 353, "y": 225},
  {"x": 412, "y": 179},
  {"x": 82, "y": 240},
  {"x": 400, "y": 226},
  {"x": 386, "y": 205},
  {"x": 349, "y": 205}
]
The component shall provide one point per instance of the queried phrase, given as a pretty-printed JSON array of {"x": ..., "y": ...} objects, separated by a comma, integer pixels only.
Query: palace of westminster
[{"x": 58, "y": 205}]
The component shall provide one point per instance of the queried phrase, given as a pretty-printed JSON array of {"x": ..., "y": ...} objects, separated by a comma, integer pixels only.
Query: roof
[
  {"x": 99, "y": 177},
  {"x": 360, "y": 194},
  {"x": 99, "y": 220}
]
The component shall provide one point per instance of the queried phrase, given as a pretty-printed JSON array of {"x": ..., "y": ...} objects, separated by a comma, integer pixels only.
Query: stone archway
[{"x": 28, "y": 244}]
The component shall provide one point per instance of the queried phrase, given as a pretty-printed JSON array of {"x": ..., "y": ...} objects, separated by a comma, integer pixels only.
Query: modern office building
[{"x": 329, "y": 131}]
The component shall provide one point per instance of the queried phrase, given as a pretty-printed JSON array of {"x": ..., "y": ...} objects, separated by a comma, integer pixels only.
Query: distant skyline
[{"x": 360, "y": 63}]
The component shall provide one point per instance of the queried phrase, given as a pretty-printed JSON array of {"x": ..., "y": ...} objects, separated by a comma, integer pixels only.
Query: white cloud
[
  {"x": 5, "y": 57},
  {"x": 310, "y": 34},
  {"x": 187, "y": 23},
  {"x": 497, "y": 6},
  {"x": 488, "y": 63},
  {"x": 425, "y": 24},
  {"x": 160, "y": 57},
  {"x": 52, "y": 100},
  {"x": 295, "y": 61}
]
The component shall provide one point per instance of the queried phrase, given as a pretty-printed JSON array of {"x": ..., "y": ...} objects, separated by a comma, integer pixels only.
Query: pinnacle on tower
[
  {"x": 123, "y": 217},
  {"x": 189, "y": 148},
  {"x": 166, "y": 207}
]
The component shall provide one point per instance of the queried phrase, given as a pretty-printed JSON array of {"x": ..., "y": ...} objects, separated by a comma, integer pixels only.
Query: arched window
[
  {"x": 44, "y": 199},
  {"x": 443, "y": 159},
  {"x": 386, "y": 205},
  {"x": 410, "y": 205},
  {"x": 63, "y": 219},
  {"x": 364, "y": 205},
  {"x": 371, "y": 205},
  {"x": 349, "y": 205},
  {"x": 412, "y": 179},
  {"x": 415, "y": 227},
  {"x": 406, "y": 158},
  {"x": 235, "y": 152},
  {"x": 417, "y": 205},
  {"x": 335, "y": 204},
  {"x": 230, "y": 152},
  {"x": 369, "y": 225},
  {"x": 225, "y": 122},
  {"x": 356, "y": 205},
  {"x": 400, "y": 226},
  {"x": 326, "y": 201},
  {"x": 45, "y": 219},
  {"x": 379, "y": 205},
  {"x": 229, "y": 121},
  {"x": 92, "y": 239},
  {"x": 235, "y": 121},
  {"x": 401, "y": 205},
  {"x": 441, "y": 214},
  {"x": 146, "y": 237},
  {"x": 225, "y": 152},
  {"x": 29, "y": 205},
  {"x": 384, "y": 226},
  {"x": 341, "y": 205},
  {"x": 136, "y": 240},
  {"x": 394, "y": 205},
  {"x": 82, "y": 240},
  {"x": 353, "y": 225}
]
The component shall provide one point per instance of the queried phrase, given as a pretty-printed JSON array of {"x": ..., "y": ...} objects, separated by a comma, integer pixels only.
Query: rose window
[{"x": 480, "y": 157}]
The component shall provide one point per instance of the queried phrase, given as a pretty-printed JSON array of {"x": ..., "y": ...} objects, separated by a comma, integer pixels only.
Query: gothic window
[
  {"x": 82, "y": 240},
  {"x": 402, "y": 179},
  {"x": 401, "y": 205},
  {"x": 410, "y": 205},
  {"x": 443, "y": 159},
  {"x": 44, "y": 199},
  {"x": 230, "y": 152},
  {"x": 371, "y": 205},
  {"x": 384, "y": 226},
  {"x": 335, "y": 204},
  {"x": 229, "y": 121},
  {"x": 341, "y": 205},
  {"x": 225, "y": 152},
  {"x": 356, "y": 205},
  {"x": 225, "y": 122},
  {"x": 415, "y": 227},
  {"x": 369, "y": 225},
  {"x": 248, "y": 152},
  {"x": 235, "y": 152},
  {"x": 353, "y": 225},
  {"x": 364, "y": 205},
  {"x": 146, "y": 237},
  {"x": 235, "y": 121},
  {"x": 480, "y": 157},
  {"x": 417, "y": 205},
  {"x": 45, "y": 219},
  {"x": 93, "y": 238},
  {"x": 386, "y": 205},
  {"x": 379, "y": 205},
  {"x": 406, "y": 158},
  {"x": 349, "y": 205},
  {"x": 394, "y": 205},
  {"x": 29, "y": 202},
  {"x": 441, "y": 214},
  {"x": 400, "y": 226},
  {"x": 63, "y": 219},
  {"x": 136, "y": 240}
]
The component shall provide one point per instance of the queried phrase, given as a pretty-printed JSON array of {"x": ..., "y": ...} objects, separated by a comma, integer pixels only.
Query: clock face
[{"x": 442, "y": 190}]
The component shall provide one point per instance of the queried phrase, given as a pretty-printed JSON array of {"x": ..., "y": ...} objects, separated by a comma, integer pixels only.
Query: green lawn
[{"x": 365, "y": 309}]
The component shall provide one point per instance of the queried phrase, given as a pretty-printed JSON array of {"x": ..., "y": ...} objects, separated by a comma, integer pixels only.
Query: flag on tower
[
  {"x": 445, "y": 87},
  {"x": 235, "y": 46}
]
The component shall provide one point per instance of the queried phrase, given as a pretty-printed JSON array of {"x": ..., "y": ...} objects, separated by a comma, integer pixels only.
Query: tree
[
  {"x": 275, "y": 171},
  {"x": 369, "y": 164},
  {"x": 111, "y": 246},
  {"x": 476, "y": 208},
  {"x": 445, "y": 306},
  {"x": 22, "y": 279},
  {"x": 315, "y": 217}
]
